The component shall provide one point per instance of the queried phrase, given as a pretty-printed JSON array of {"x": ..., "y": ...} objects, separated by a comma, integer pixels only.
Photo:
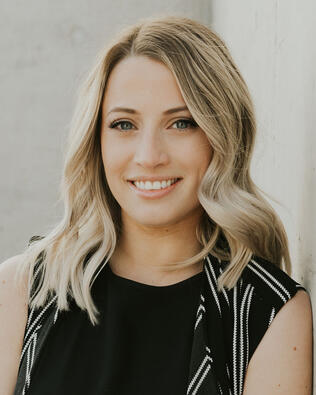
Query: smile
[
  {"x": 148, "y": 185},
  {"x": 155, "y": 189}
]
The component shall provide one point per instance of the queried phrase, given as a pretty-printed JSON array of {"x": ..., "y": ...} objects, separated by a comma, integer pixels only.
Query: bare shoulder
[
  {"x": 283, "y": 360},
  {"x": 13, "y": 317},
  {"x": 9, "y": 287}
]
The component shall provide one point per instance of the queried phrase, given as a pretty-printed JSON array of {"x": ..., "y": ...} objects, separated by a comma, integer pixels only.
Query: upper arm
[
  {"x": 282, "y": 363},
  {"x": 13, "y": 317}
]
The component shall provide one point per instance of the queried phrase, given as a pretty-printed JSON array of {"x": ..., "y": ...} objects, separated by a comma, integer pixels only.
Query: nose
[{"x": 151, "y": 150}]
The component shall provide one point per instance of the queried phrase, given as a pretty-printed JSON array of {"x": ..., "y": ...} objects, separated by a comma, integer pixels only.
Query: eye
[
  {"x": 114, "y": 124},
  {"x": 184, "y": 122}
]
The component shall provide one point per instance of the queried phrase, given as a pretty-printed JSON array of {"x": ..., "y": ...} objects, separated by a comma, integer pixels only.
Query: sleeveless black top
[
  {"x": 141, "y": 346},
  {"x": 187, "y": 338}
]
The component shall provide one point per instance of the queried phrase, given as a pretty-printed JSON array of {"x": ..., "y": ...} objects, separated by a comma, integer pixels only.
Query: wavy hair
[{"x": 237, "y": 221}]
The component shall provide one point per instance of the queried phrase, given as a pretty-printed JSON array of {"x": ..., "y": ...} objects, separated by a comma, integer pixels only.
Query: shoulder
[
  {"x": 272, "y": 285},
  {"x": 13, "y": 317},
  {"x": 287, "y": 336},
  {"x": 8, "y": 271},
  {"x": 11, "y": 262},
  {"x": 13, "y": 296},
  {"x": 272, "y": 290}
]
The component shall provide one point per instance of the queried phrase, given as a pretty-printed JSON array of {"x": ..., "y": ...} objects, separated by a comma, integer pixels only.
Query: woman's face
[{"x": 144, "y": 141}]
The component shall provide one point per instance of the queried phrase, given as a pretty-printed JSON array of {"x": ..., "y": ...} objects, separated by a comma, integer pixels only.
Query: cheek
[
  {"x": 199, "y": 154},
  {"x": 109, "y": 156},
  {"x": 206, "y": 155},
  {"x": 114, "y": 156},
  {"x": 205, "y": 150}
]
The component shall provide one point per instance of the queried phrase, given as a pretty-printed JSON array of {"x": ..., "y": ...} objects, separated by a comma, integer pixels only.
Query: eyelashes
[{"x": 187, "y": 121}]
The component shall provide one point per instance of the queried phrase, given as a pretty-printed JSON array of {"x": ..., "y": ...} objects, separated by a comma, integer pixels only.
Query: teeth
[{"x": 154, "y": 185}]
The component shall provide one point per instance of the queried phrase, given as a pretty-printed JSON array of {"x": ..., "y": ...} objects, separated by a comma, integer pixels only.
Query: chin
[{"x": 155, "y": 221}]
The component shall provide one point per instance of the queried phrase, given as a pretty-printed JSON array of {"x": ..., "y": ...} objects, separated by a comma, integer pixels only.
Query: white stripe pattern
[
  {"x": 271, "y": 316},
  {"x": 38, "y": 318},
  {"x": 247, "y": 324},
  {"x": 268, "y": 282},
  {"x": 240, "y": 301},
  {"x": 31, "y": 340},
  {"x": 200, "y": 311},
  {"x": 235, "y": 341},
  {"x": 244, "y": 333},
  {"x": 224, "y": 291},
  {"x": 214, "y": 291},
  {"x": 205, "y": 365},
  {"x": 271, "y": 277}
]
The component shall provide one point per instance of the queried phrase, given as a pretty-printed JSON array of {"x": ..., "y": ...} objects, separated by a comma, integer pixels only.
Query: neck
[{"x": 141, "y": 251}]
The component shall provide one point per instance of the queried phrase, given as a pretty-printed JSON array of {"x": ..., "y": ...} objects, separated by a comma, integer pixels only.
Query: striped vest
[{"x": 229, "y": 326}]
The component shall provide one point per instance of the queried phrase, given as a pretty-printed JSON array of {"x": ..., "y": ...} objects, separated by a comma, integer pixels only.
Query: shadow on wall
[{"x": 307, "y": 207}]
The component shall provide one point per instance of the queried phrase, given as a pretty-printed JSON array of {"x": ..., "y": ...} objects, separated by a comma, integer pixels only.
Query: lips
[
  {"x": 153, "y": 178},
  {"x": 153, "y": 193},
  {"x": 171, "y": 180}
]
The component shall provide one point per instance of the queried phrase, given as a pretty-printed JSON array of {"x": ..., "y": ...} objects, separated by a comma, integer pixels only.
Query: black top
[{"x": 142, "y": 345}]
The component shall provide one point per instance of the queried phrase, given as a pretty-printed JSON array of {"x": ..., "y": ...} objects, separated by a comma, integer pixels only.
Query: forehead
[{"x": 140, "y": 82}]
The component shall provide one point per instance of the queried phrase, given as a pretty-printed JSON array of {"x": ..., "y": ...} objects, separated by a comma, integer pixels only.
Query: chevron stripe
[
  {"x": 244, "y": 333},
  {"x": 29, "y": 331},
  {"x": 30, "y": 341},
  {"x": 271, "y": 316},
  {"x": 247, "y": 322},
  {"x": 219, "y": 388},
  {"x": 214, "y": 291},
  {"x": 56, "y": 316},
  {"x": 267, "y": 281},
  {"x": 200, "y": 311},
  {"x": 227, "y": 370},
  {"x": 269, "y": 275},
  {"x": 204, "y": 367},
  {"x": 224, "y": 291}
]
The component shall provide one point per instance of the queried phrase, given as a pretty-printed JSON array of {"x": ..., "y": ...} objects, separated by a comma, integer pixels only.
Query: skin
[
  {"x": 150, "y": 143},
  {"x": 282, "y": 364}
]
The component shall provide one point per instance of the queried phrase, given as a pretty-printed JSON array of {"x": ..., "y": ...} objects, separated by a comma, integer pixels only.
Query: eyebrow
[{"x": 132, "y": 111}]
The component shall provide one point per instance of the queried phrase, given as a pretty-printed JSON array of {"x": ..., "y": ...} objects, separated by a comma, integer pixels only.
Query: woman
[{"x": 165, "y": 274}]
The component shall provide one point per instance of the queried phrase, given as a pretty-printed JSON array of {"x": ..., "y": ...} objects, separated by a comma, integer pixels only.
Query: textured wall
[
  {"x": 273, "y": 43},
  {"x": 45, "y": 47}
]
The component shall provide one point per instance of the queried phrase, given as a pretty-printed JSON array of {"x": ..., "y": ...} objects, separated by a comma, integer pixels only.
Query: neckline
[{"x": 137, "y": 284}]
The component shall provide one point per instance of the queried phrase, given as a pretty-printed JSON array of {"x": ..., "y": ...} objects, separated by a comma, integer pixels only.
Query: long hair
[{"x": 237, "y": 222}]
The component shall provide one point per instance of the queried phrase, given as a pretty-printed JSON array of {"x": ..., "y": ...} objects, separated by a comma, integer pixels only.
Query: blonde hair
[{"x": 237, "y": 222}]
